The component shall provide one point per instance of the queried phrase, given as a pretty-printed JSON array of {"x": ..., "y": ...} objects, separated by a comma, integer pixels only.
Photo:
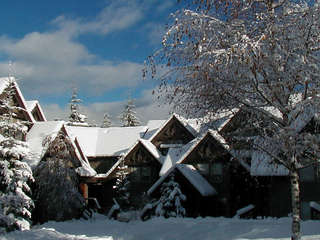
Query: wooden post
[{"x": 84, "y": 190}]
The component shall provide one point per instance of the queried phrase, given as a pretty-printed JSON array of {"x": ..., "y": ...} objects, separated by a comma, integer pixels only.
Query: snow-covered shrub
[{"x": 169, "y": 204}]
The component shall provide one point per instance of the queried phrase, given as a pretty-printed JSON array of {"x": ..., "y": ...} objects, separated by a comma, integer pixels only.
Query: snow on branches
[
  {"x": 15, "y": 175},
  {"x": 253, "y": 55},
  {"x": 170, "y": 202},
  {"x": 128, "y": 117},
  {"x": 121, "y": 186},
  {"x": 76, "y": 118}
]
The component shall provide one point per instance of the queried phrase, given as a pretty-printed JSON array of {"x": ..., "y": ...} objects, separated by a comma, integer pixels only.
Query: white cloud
[
  {"x": 51, "y": 61},
  {"x": 116, "y": 16}
]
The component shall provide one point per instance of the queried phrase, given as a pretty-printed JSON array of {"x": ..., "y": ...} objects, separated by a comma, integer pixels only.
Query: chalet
[
  {"x": 209, "y": 156},
  {"x": 106, "y": 148},
  {"x": 144, "y": 162},
  {"x": 218, "y": 181},
  {"x": 42, "y": 135}
]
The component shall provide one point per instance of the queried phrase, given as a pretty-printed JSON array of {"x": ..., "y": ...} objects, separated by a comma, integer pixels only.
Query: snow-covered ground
[{"x": 168, "y": 229}]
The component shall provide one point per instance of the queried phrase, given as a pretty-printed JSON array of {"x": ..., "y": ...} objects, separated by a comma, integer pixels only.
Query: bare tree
[{"x": 250, "y": 54}]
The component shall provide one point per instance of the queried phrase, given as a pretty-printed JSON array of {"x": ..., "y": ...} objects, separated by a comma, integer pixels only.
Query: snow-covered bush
[{"x": 170, "y": 202}]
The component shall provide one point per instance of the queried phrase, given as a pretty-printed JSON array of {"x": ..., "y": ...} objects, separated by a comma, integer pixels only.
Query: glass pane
[{"x": 203, "y": 168}]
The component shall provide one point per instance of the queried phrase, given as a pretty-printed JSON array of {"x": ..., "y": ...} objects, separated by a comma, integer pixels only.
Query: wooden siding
[{"x": 172, "y": 132}]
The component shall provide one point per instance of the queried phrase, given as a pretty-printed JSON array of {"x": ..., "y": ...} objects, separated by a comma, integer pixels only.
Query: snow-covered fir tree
[
  {"x": 15, "y": 175},
  {"x": 56, "y": 192},
  {"x": 121, "y": 187},
  {"x": 106, "y": 121},
  {"x": 169, "y": 204},
  {"x": 128, "y": 116},
  {"x": 76, "y": 118}
]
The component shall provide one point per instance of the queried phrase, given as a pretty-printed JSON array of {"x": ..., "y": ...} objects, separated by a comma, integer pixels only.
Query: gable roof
[
  {"x": 178, "y": 155},
  {"x": 35, "y": 105},
  {"x": 180, "y": 119},
  {"x": 262, "y": 165},
  {"x": 4, "y": 82},
  {"x": 214, "y": 121},
  {"x": 152, "y": 128},
  {"x": 36, "y": 137},
  {"x": 147, "y": 145},
  {"x": 192, "y": 175},
  {"x": 106, "y": 142},
  {"x": 39, "y": 138}
]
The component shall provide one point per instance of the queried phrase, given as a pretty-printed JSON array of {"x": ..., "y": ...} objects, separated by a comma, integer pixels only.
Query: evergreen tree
[
  {"x": 56, "y": 192},
  {"x": 121, "y": 186},
  {"x": 15, "y": 201},
  {"x": 128, "y": 117},
  {"x": 76, "y": 117},
  {"x": 106, "y": 121},
  {"x": 169, "y": 204}
]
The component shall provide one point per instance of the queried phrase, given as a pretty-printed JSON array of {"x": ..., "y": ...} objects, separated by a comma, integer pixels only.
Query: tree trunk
[{"x": 295, "y": 201}]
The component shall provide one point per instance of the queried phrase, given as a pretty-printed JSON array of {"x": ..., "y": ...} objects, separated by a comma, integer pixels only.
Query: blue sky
[{"x": 98, "y": 46}]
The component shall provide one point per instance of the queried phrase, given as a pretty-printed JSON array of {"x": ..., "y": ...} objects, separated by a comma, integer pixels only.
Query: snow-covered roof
[
  {"x": 85, "y": 170},
  {"x": 45, "y": 132},
  {"x": 149, "y": 147},
  {"x": 178, "y": 155},
  {"x": 36, "y": 136},
  {"x": 182, "y": 120},
  {"x": 262, "y": 165},
  {"x": 4, "y": 82},
  {"x": 192, "y": 175},
  {"x": 103, "y": 142},
  {"x": 302, "y": 115},
  {"x": 175, "y": 155},
  {"x": 214, "y": 121},
  {"x": 152, "y": 149},
  {"x": 153, "y": 126},
  {"x": 31, "y": 105}
]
